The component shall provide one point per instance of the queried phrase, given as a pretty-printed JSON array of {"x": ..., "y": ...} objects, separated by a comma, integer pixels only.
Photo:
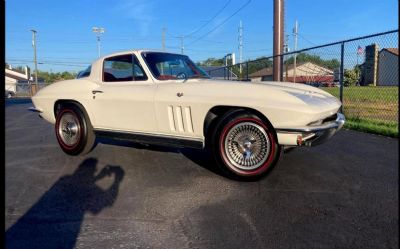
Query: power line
[
  {"x": 220, "y": 24},
  {"x": 55, "y": 64},
  {"x": 48, "y": 62},
  {"x": 181, "y": 37},
  {"x": 306, "y": 39},
  {"x": 209, "y": 21}
]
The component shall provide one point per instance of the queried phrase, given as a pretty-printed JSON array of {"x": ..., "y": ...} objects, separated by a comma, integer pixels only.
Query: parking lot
[{"x": 342, "y": 194}]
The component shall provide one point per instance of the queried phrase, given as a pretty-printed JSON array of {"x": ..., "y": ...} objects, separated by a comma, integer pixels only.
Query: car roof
[{"x": 133, "y": 51}]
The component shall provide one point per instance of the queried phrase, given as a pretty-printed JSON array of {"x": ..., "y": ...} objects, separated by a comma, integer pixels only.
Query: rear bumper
[{"x": 310, "y": 135}]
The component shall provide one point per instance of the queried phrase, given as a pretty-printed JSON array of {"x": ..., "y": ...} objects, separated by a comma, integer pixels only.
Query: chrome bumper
[
  {"x": 37, "y": 110},
  {"x": 34, "y": 109},
  {"x": 312, "y": 135}
]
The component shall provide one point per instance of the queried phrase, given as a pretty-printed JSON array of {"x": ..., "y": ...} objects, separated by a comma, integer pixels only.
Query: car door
[
  {"x": 124, "y": 101},
  {"x": 178, "y": 104}
]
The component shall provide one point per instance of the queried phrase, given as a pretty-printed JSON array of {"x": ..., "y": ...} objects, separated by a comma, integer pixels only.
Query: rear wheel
[
  {"x": 74, "y": 131},
  {"x": 244, "y": 146}
]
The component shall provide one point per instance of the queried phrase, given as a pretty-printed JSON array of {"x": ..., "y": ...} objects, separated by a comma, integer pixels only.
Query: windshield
[{"x": 166, "y": 66}]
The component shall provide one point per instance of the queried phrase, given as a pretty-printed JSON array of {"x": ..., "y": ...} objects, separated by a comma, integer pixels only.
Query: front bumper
[
  {"x": 34, "y": 109},
  {"x": 37, "y": 110},
  {"x": 310, "y": 135}
]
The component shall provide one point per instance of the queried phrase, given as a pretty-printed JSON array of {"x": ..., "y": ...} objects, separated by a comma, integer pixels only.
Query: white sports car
[{"x": 163, "y": 98}]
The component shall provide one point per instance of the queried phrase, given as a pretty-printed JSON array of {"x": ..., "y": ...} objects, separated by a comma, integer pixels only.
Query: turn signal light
[{"x": 299, "y": 140}]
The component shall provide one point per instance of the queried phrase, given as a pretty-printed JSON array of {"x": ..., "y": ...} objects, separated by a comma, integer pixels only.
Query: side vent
[
  {"x": 171, "y": 118},
  {"x": 180, "y": 119},
  {"x": 188, "y": 116}
]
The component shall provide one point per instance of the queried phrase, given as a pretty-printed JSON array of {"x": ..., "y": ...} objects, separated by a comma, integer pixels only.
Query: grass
[
  {"x": 390, "y": 129},
  {"x": 370, "y": 109}
]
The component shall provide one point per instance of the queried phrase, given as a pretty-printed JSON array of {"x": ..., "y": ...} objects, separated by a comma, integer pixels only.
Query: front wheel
[
  {"x": 74, "y": 131},
  {"x": 244, "y": 146}
]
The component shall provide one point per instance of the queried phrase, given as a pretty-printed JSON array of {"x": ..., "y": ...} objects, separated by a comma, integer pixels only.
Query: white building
[{"x": 13, "y": 77}]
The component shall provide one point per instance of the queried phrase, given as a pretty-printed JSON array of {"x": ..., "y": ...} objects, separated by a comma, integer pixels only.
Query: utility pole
[
  {"x": 34, "y": 87},
  {"x": 240, "y": 46},
  {"x": 295, "y": 33},
  {"x": 278, "y": 38},
  {"x": 286, "y": 50},
  {"x": 98, "y": 32},
  {"x": 182, "y": 47},
  {"x": 163, "y": 39}
]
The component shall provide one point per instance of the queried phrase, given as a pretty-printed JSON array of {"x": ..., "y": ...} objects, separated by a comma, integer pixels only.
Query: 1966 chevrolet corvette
[{"x": 163, "y": 98}]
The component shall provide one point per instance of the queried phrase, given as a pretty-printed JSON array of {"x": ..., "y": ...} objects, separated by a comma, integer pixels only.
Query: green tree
[
  {"x": 121, "y": 65},
  {"x": 46, "y": 76},
  {"x": 54, "y": 77},
  {"x": 212, "y": 62},
  {"x": 19, "y": 69},
  {"x": 350, "y": 77},
  {"x": 304, "y": 57}
]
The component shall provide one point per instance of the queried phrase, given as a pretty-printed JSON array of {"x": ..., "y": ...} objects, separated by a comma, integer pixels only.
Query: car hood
[
  {"x": 295, "y": 88},
  {"x": 275, "y": 94}
]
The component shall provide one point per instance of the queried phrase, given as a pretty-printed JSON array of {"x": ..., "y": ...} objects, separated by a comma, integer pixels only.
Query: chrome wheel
[
  {"x": 68, "y": 129},
  {"x": 247, "y": 146}
]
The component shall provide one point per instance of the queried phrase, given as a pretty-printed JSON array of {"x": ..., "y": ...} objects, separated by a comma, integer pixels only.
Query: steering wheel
[{"x": 181, "y": 76}]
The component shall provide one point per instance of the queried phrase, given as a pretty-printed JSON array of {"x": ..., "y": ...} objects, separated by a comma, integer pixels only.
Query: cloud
[{"x": 139, "y": 11}]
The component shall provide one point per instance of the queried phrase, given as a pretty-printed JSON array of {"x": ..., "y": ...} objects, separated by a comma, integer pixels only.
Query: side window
[
  {"x": 138, "y": 72},
  {"x": 122, "y": 68}
]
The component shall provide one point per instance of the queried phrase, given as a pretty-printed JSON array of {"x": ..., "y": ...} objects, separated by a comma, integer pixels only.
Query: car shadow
[
  {"x": 55, "y": 220},
  {"x": 200, "y": 157}
]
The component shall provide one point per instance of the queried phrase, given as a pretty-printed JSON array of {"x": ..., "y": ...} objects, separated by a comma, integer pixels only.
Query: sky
[{"x": 65, "y": 41}]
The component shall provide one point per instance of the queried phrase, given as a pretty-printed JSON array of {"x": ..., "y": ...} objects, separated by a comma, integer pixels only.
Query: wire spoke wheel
[{"x": 247, "y": 146}]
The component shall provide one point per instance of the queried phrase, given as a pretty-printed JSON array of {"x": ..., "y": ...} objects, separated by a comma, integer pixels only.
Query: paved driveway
[{"x": 343, "y": 194}]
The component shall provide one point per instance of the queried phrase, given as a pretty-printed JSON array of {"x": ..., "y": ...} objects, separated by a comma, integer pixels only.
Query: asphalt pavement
[{"x": 342, "y": 194}]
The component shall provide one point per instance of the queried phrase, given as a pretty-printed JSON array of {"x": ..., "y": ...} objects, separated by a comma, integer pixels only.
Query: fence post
[
  {"x": 341, "y": 75},
  {"x": 224, "y": 73},
  {"x": 281, "y": 72},
  {"x": 247, "y": 71}
]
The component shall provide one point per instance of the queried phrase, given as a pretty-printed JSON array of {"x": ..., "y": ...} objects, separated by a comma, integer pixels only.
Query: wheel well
[
  {"x": 64, "y": 102},
  {"x": 215, "y": 113}
]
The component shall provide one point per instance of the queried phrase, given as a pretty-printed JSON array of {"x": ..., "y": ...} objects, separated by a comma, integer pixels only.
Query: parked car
[
  {"x": 9, "y": 94},
  {"x": 163, "y": 98}
]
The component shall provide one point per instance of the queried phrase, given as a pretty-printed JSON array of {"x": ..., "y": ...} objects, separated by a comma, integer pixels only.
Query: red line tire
[
  {"x": 244, "y": 145},
  {"x": 74, "y": 131}
]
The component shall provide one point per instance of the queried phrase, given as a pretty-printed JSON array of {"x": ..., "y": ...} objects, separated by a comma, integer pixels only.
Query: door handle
[
  {"x": 96, "y": 91},
  {"x": 179, "y": 94}
]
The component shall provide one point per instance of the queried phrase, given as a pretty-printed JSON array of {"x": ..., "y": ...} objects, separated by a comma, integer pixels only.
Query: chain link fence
[
  {"x": 362, "y": 72},
  {"x": 22, "y": 89}
]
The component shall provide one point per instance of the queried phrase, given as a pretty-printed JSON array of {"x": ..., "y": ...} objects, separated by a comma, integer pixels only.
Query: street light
[
  {"x": 34, "y": 88},
  {"x": 98, "y": 32}
]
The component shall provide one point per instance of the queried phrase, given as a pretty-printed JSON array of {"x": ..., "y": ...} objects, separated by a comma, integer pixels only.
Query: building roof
[
  {"x": 15, "y": 75},
  {"x": 394, "y": 51},
  {"x": 269, "y": 70},
  {"x": 263, "y": 72}
]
